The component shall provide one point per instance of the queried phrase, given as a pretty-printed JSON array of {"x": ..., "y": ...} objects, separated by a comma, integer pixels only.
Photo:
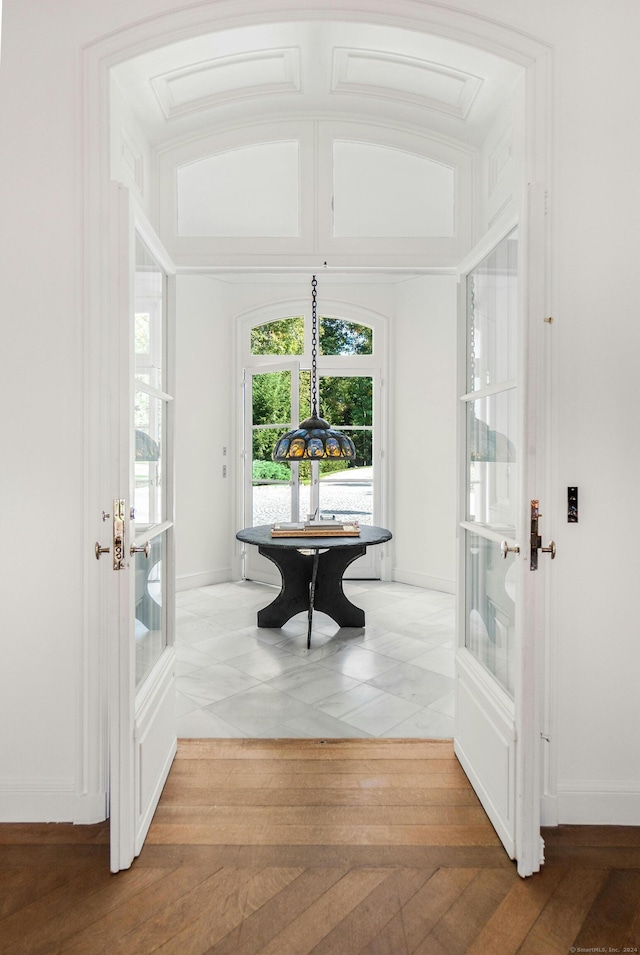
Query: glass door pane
[
  {"x": 152, "y": 406},
  {"x": 149, "y": 324},
  {"x": 492, "y": 305},
  {"x": 345, "y": 489},
  {"x": 150, "y": 590},
  {"x": 271, "y": 496},
  {"x": 149, "y": 442},
  {"x": 491, "y": 460},
  {"x": 491, "y": 457},
  {"x": 490, "y": 600}
]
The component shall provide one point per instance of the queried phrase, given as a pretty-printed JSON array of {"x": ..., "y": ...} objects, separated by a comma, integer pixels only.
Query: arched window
[{"x": 284, "y": 336}]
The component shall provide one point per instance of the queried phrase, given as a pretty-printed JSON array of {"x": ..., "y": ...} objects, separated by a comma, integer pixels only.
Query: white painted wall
[
  {"x": 594, "y": 209},
  {"x": 205, "y": 380},
  {"x": 421, "y": 319},
  {"x": 424, "y": 432},
  {"x": 41, "y": 407}
]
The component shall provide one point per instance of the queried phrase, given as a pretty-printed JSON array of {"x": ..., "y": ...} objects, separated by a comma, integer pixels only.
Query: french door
[
  {"x": 276, "y": 397},
  {"x": 501, "y": 598},
  {"x": 140, "y": 576}
]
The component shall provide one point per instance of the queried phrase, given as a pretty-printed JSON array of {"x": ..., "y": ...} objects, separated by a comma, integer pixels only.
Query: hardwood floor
[{"x": 295, "y": 846}]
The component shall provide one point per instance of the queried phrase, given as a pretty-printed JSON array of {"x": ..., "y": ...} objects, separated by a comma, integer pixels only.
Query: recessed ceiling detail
[
  {"x": 418, "y": 82},
  {"x": 225, "y": 79}
]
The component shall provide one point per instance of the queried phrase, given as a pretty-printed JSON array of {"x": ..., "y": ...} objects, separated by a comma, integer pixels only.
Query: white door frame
[{"x": 96, "y": 60}]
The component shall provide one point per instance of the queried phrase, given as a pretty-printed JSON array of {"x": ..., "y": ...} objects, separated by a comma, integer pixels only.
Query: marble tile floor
[{"x": 394, "y": 678}]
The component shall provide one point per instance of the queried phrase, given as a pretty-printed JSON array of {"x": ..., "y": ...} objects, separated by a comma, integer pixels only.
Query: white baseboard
[
  {"x": 598, "y": 803},
  {"x": 443, "y": 584},
  {"x": 191, "y": 581},
  {"x": 90, "y": 808},
  {"x": 37, "y": 800},
  {"x": 49, "y": 800}
]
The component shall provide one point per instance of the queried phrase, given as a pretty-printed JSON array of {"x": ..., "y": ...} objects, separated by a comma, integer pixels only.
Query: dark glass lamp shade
[{"x": 314, "y": 439}]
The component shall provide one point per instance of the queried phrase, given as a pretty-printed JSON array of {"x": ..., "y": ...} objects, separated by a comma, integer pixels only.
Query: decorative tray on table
[{"x": 316, "y": 529}]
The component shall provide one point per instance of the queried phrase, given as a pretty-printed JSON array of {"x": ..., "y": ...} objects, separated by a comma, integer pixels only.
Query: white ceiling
[{"x": 329, "y": 68}]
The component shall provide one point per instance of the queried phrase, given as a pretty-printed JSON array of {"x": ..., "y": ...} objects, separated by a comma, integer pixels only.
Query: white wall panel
[
  {"x": 250, "y": 191},
  {"x": 499, "y": 185},
  {"x": 130, "y": 153},
  {"x": 383, "y": 191}
]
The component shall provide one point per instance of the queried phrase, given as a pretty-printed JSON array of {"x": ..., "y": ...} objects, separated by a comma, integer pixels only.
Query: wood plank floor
[{"x": 295, "y": 846}]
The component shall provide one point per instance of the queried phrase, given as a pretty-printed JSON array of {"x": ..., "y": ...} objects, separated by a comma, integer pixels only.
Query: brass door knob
[
  {"x": 144, "y": 549},
  {"x": 505, "y": 549},
  {"x": 551, "y": 549}
]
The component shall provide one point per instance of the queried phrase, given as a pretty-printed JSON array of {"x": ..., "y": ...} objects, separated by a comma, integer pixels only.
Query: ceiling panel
[
  {"x": 418, "y": 82},
  {"x": 207, "y": 85}
]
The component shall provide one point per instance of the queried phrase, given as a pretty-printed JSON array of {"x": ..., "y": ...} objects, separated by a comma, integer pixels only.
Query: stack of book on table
[{"x": 316, "y": 529}]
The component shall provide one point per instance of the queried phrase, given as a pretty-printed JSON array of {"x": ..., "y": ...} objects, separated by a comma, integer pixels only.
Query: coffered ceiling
[{"x": 316, "y": 68}]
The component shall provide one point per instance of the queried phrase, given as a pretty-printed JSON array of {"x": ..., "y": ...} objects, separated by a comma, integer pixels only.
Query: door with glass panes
[
  {"x": 138, "y": 561},
  {"x": 277, "y": 397},
  {"x": 498, "y": 658}
]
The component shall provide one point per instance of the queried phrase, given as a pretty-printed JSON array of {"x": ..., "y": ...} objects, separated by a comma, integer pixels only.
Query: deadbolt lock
[
  {"x": 536, "y": 538},
  {"x": 119, "y": 559}
]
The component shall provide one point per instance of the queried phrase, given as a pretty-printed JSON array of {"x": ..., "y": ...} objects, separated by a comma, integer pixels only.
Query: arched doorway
[{"x": 429, "y": 21}]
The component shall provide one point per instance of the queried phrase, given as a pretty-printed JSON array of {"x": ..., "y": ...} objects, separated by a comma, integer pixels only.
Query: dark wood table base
[{"x": 304, "y": 590}]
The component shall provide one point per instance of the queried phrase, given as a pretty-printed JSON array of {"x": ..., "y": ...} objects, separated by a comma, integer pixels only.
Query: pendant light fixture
[{"x": 315, "y": 439}]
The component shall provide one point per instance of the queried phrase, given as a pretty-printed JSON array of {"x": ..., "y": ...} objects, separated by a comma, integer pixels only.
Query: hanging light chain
[
  {"x": 315, "y": 438},
  {"x": 314, "y": 346}
]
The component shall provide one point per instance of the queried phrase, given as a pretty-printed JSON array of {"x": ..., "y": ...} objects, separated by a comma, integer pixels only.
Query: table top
[{"x": 261, "y": 536}]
